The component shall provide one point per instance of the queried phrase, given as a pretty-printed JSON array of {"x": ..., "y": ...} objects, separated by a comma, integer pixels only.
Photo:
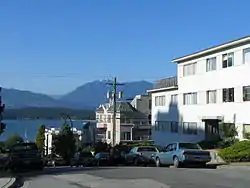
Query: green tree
[
  {"x": 13, "y": 139},
  {"x": 40, "y": 138},
  {"x": 64, "y": 143}
]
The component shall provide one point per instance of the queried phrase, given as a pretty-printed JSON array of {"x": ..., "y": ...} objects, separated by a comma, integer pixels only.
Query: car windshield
[
  {"x": 189, "y": 146},
  {"x": 147, "y": 149}
]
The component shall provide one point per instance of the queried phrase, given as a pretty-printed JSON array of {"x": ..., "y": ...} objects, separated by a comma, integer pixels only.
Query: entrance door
[{"x": 211, "y": 129}]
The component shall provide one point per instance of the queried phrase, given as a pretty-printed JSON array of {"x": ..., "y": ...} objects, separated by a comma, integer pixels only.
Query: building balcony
[{"x": 166, "y": 83}]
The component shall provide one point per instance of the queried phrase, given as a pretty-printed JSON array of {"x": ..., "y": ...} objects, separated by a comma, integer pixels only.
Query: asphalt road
[{"x": 138, "y": 177}]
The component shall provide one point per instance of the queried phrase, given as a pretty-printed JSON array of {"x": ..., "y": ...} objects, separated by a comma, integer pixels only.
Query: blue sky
[{"x": 53, "y": 46}]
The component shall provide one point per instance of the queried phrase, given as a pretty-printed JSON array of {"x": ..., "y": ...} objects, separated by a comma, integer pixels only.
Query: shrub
[{"x": 236, "y": 153}]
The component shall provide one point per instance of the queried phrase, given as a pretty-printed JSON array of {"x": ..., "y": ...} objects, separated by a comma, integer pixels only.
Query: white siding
[{"x": 235, "y": 77}]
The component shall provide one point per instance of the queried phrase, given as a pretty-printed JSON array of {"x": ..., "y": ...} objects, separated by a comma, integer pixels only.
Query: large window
[
  {"x": 246, "y": 93},
  {"x": 160, "y": 100},
  {"x": 189, "y": 98},
  {"x": 227, "y": 60},
  {"x": 228, "y": 95},
  {"x": 189, "y": 69},
  {"x": 211, "y": 64},
  {"x": 174, "y": 99},
  {"x": 246, "y": 56},
  {"x": 211, "y": 96},
  {"x": 189, "y": 128}
]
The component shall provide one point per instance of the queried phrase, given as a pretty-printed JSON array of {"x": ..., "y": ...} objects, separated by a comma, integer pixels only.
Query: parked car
[
  {"x": 141, "y": 155},
  {"x": 83, "y": 159},
  {"x": 103, "y": 159},
  {"x": 24, "y": 155},
  {"x": 3, "y": 158},
  {"x": 180, "y": 153}
]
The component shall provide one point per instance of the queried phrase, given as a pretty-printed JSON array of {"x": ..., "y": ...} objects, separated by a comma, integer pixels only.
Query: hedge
[{"x": 238, "y": 152}]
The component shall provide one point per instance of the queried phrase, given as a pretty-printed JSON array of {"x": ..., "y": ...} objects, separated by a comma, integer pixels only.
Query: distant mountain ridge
[{"x": 87, "y": 96}]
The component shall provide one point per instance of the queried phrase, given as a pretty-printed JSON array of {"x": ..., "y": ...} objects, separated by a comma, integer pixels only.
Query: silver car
[
  {"x": 141, "y": 155},
  {"x": 180, "y": 153}
]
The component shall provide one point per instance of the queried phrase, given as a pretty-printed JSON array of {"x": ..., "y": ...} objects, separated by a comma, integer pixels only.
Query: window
[
  {"x": 228, "y": 95},
  {"x": 174, "y": 99},
  {"x": 162, "y": 126},
  {"x": 189, "y": 146},
  {"x": 189, "y": 98},
  {"x": 189, "y": 128},
  {"x": 174, "y": 127},
  {"x": 227, "y": 60},
  {"x": 211, "y": 64},
  {"x": 246, "y": 93},
  {"x": 246, "y": 56},
  {"x": 125, "y": 136},
  {"x": 109, "y": 134},
  {"x": 146, "y": 149},
  {"x": 189, "y": 69},
  {"x": 211, "y": 96},
  {"x": 160, "y": 100},
  {"x": 246, "y": 131}
]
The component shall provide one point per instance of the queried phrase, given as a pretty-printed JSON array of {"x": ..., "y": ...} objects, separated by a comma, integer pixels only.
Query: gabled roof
[{"x": 214, "y": 49}]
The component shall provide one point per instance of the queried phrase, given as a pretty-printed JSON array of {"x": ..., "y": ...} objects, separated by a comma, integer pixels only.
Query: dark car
[
  {"x": 24, "y": 155},
  {"x": 83, "y": 159},
  {"x": 141, "y": 155},
  {"x": 103, "y": 159}
]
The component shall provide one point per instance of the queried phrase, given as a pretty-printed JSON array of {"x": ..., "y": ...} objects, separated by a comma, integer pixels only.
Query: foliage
[
  {"x": 236, "y": 153},
  {"x": 48, "y": 113},
  {"x": 228, "y": 130},
  {"x": 101, "y": 147},
  {"x": 13, "y": 139},
  {"x": 64, "y": 143},
  {"x": 40, "y": 138}
]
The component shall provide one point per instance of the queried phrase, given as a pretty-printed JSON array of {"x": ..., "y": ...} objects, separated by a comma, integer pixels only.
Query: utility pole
[
  {"x": 114, "y": 84},
  {"x": 2, "y": 106}
]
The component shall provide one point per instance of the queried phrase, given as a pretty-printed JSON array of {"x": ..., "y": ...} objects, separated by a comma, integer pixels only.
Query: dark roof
[{"x": 122, "y": 106}]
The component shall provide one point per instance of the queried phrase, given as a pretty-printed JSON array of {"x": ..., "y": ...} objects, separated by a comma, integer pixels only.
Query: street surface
[{"x": 138, "y": 177}]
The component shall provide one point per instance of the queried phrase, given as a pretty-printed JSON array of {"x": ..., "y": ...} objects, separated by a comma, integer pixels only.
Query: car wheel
[
  {"x": 158, "y": 162},
  {"x": 176, "y": 162},
  {"x": 135, "y": 161}
]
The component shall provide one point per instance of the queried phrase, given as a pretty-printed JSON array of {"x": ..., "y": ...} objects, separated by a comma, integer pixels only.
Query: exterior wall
[
  {"x": 142, "y": 103},
  {"x": 236, "y": 76},
  {"x": 170, "y": 112}
]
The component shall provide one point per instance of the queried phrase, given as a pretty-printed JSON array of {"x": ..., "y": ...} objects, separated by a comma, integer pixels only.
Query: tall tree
[
  {"x": 40, "y": 138},
  {"x": 64, "y": 142}
]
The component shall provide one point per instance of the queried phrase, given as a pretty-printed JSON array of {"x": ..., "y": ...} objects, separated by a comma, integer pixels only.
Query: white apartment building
[
  {"x": 131, "y": 125},
  {"x": 213, "y": 86}
]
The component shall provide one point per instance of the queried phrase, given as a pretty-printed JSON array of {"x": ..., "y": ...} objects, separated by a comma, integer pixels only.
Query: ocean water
[{"x": 31, "y": 127}]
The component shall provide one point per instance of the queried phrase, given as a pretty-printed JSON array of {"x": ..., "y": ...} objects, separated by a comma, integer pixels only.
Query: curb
[{"x": 9, "y": 183}]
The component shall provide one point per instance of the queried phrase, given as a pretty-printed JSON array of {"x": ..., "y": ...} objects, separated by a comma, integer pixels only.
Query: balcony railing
[{"x": 166, "y": 82}]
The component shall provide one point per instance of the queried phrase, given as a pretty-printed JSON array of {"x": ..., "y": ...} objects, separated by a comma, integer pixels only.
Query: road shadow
[{"x": 169, "y": 127}]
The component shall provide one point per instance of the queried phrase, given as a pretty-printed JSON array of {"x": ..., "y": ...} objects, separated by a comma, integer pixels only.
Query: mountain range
[{"x": 87, "y": 96}]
